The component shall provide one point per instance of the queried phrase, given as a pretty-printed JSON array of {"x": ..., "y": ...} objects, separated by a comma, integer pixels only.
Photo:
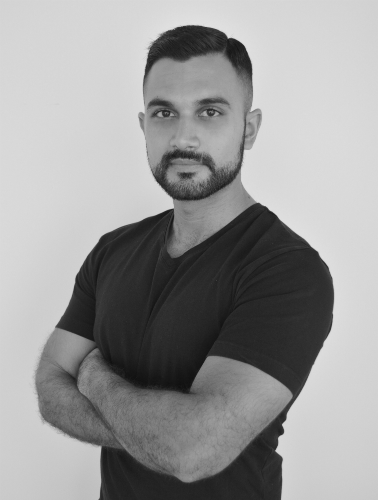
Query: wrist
[{"x": 91, "y": 370}]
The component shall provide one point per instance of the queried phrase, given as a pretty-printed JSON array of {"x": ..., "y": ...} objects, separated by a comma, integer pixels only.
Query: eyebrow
[{"x": 201, "y": 102}]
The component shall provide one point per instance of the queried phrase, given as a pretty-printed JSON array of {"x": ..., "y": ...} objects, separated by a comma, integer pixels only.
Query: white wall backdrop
[{"x": 74, "y": 167}]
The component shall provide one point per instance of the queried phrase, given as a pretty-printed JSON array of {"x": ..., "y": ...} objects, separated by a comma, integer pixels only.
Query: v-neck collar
[{"x": 175, "y": 261}]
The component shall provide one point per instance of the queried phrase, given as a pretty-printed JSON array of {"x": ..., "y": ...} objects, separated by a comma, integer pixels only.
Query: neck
[{"x": 197, "y": 220}]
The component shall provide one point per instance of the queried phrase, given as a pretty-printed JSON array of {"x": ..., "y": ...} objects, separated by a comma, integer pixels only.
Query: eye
[
  {"x": 165, "y": 112},
  {"x": 210, "y": 113}
]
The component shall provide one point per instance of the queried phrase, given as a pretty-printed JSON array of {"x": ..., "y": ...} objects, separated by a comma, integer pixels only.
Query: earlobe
[
  {"x": 253, "y": 123},
  {"x": 141, "y": 120}
]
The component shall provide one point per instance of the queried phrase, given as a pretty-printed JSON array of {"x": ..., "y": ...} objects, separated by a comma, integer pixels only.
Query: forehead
[{"x": 201, "y": 76}]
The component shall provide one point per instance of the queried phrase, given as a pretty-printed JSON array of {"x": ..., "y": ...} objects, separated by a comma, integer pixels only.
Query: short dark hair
[{"x": 184, "y": 42}]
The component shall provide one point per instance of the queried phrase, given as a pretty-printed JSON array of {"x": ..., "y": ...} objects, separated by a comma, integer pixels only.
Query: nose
[{"x": 185, "y": 135}]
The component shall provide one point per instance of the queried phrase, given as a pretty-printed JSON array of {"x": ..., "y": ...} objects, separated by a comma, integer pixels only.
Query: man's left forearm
[{"x": 150, "y": 424}]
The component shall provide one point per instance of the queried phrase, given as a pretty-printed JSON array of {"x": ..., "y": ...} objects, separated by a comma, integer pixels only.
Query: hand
[{"x": 90, "y": 367}]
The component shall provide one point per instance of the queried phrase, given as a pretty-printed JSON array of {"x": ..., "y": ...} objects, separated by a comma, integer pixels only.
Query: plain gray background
[{"x": 74, "y": 167}]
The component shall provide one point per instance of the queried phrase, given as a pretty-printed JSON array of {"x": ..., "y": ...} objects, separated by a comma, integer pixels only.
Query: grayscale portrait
[{"x": 187, "y": 265}]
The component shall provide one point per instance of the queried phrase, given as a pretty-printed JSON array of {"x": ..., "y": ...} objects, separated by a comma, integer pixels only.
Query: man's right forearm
[{"x": 64, "y": 407}]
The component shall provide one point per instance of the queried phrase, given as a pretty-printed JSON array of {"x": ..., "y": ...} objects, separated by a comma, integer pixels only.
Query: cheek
[
  {"x": 223, "y": 136},
  {"x": 157, "y": 144},
  {"x": 224, "y": 147},
  {"x": 156, "y": 132}
]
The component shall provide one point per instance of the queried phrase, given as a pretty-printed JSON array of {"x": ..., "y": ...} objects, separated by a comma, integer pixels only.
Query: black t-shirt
[{"x": 254, "y": 291}]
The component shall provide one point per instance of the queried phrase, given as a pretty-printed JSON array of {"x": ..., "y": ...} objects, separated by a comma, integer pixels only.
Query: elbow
[
  {"x": 185, "y": 479},
  {"x": 196, "y": 468},
  {"x": 191, "y": 477},
  {"x": 48, "y": 382},
  {"x": 42, "y": 400},
  {"x": 186, "y": 469},
  {"x": 39, "y": 392},
  {"x": 187, "y": 476},
  {"x": 44, "y": 415}
]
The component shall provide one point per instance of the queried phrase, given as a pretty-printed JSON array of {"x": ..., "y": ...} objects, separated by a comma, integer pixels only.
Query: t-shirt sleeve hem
[
  {"x": 76, "y": 327},
  {"x": 264, "y": 363}
]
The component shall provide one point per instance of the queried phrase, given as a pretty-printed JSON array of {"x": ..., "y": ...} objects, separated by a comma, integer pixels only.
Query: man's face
[{"x": 194, "y": 125}]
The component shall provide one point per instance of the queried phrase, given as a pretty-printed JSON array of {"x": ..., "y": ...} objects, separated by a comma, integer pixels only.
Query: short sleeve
[
  {"x": 79, "y": 317},
  {"x": 282, "y": 314}
]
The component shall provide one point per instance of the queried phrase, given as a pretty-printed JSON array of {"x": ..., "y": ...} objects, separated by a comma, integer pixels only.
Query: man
[{"x": 189, "y": 334}]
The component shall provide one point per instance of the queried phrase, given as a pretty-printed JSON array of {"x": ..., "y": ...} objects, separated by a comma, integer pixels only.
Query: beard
[{"x": 186, "y": 189}]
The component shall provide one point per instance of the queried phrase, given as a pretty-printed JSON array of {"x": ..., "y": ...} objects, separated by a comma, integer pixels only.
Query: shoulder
[
  {"x": 284, "y": 271},
  {"x": 123, "y": 239},
  {"x": 280, "y": 260},
  {"x": 140, "y": 227}
]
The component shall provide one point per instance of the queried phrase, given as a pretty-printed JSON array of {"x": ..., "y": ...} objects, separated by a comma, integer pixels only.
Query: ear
[
  {"x": 253, "y": 122},
  {"x": 141, "y": 120}
]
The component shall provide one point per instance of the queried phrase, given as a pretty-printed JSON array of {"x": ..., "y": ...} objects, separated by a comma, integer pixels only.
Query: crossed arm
[{"x": 190, "y": 436}]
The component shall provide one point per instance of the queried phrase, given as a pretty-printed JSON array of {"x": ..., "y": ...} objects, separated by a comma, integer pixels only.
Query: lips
[{"x": 181, "y": 161}]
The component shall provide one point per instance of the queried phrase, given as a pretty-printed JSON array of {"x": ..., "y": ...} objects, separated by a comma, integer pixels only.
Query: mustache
[
  {"x": 176, "y": 154},
  {"x": 184, "y": 155}
]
